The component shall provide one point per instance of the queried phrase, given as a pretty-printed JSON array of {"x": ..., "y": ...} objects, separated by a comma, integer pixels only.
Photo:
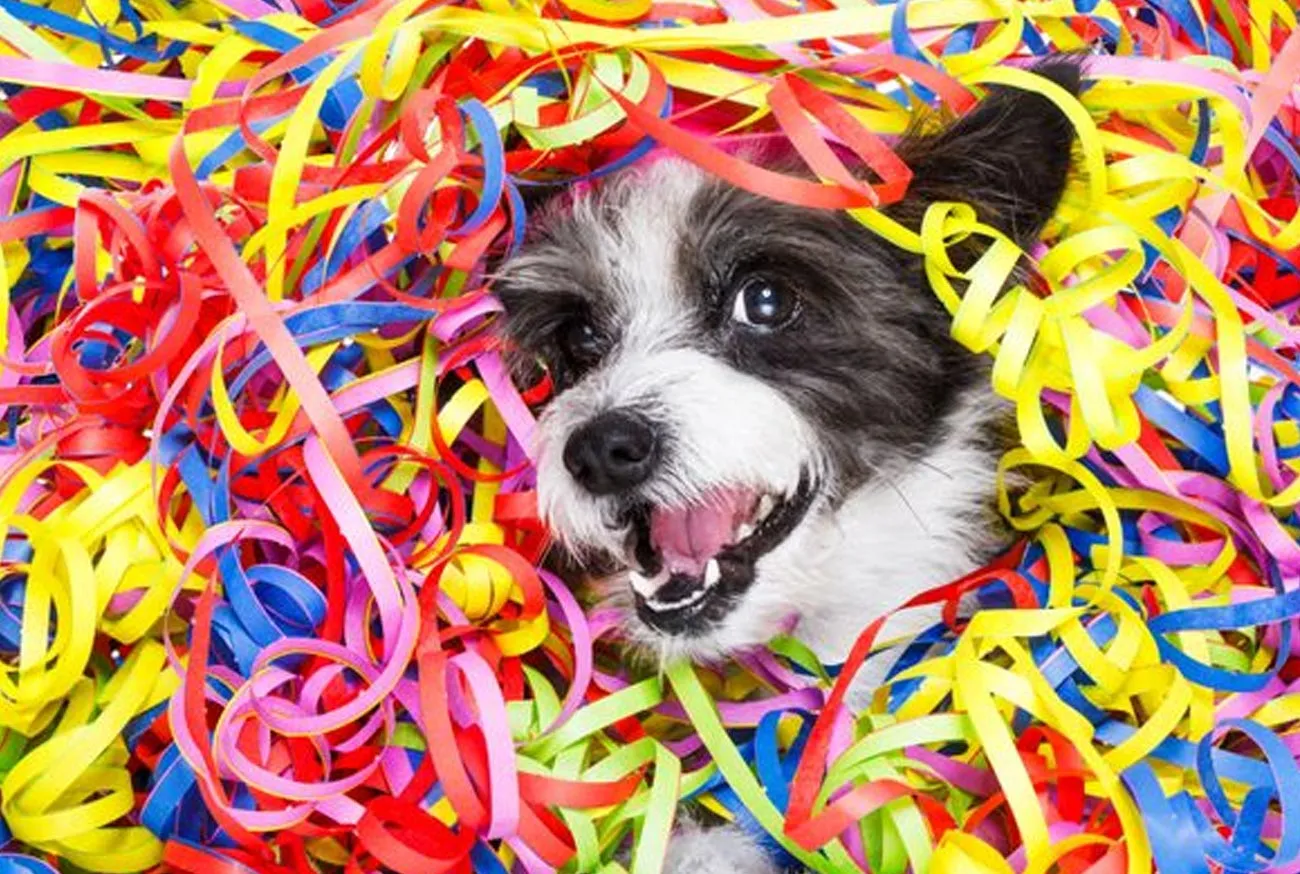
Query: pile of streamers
[{"x": 271, "y": 597}]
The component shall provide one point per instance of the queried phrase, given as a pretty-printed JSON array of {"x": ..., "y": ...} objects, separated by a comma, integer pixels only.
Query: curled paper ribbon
[{"x": 271, "y": 596}]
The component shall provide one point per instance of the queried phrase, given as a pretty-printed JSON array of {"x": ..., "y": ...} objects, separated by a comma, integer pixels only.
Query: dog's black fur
[{"x": 873, "y": 357}]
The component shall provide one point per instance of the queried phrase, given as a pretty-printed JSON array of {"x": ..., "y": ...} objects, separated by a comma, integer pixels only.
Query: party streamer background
[{"x": 270, "y": 597}]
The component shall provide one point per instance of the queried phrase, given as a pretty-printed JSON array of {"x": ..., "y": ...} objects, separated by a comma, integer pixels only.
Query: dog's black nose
[{"x": 613, "y": 452}]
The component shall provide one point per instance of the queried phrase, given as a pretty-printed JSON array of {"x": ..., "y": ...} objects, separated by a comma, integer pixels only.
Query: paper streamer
[{"x": 271, "y": 597}]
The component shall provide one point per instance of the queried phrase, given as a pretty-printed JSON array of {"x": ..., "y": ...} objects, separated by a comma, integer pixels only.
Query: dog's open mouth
[{"x": 690, "y": 564}]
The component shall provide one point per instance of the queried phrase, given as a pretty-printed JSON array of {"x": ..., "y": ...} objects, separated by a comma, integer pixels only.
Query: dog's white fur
[
  {"x": 914, "y": 525},
  {"x": 695, "y": 848}
]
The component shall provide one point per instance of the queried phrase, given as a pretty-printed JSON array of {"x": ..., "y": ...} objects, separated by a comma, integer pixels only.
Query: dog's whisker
[
  {"x": 906, "y": 503},
  {"x": 881, "y": 475},
  {"x": 928, "y": 465}
]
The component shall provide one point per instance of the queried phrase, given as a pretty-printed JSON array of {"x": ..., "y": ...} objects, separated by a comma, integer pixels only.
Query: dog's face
[{"x": 731, "y": 371}]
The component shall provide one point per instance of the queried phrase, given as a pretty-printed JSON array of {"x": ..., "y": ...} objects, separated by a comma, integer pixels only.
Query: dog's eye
[
  {"x": 580, "y": 342},
  {"x": 762, "y": 303}
]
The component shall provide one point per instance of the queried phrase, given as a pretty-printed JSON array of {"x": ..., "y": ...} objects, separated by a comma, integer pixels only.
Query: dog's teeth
[
  {"x": 765, "y": 506},
  {"x": 712, "y": 573},
  {"x": 692, "y": 598},
  {"x": 744, "y": 531},
  {"x": 643, "y": 585}
]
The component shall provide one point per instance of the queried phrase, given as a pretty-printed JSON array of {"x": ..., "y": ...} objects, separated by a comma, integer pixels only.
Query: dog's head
[{"x": 729, "y": 370}]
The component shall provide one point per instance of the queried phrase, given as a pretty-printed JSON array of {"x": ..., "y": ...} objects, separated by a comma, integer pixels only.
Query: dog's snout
[{"x": 613, "y": 452}]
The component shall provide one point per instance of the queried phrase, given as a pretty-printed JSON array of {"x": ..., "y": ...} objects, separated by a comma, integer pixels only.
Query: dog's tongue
[{"x": 688, "y": 537}]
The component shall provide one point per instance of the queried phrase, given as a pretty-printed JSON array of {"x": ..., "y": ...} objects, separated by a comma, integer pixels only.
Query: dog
[{"x": 760, "y": 422}]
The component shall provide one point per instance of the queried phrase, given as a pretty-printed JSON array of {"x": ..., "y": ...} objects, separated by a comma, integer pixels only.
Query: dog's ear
[{"x": 1009, "y": 156}]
